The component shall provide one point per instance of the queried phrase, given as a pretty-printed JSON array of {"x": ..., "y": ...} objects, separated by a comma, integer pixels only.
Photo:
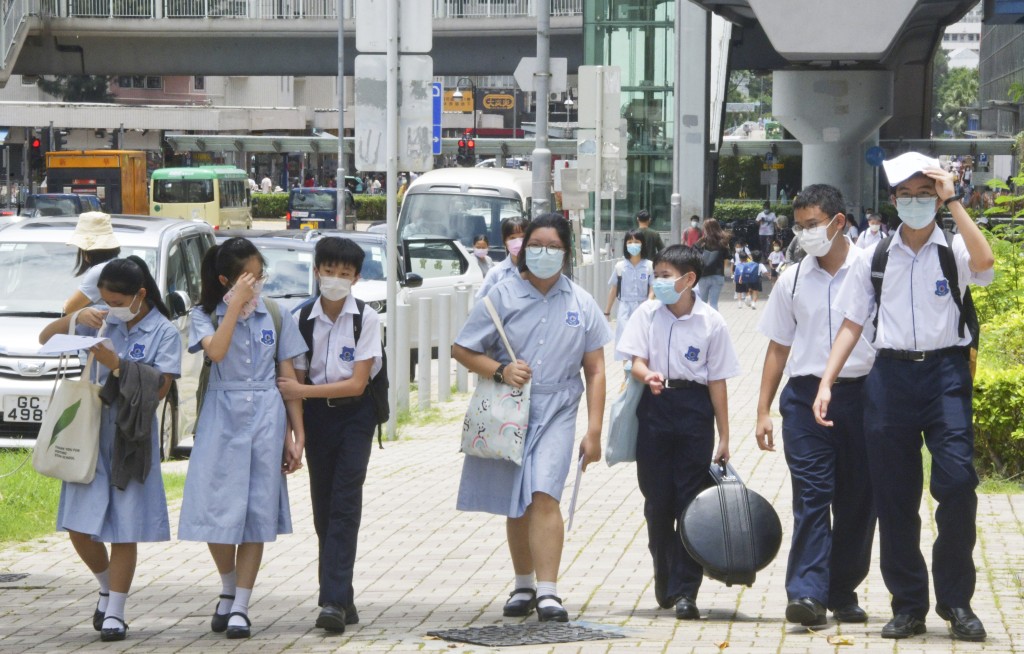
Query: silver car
[{"x": 36, "y": 278}]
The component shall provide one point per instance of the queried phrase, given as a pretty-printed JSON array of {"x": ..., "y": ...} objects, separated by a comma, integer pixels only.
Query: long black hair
[
  {"x": 97, "y": 256},
  {"x": 127, "y": 276},
  {"x": 634, "y": 235},
  {"x": 227, "y": 259},
  {"x": 512, "y": 225},
  {"x": 561, "y": 226}
]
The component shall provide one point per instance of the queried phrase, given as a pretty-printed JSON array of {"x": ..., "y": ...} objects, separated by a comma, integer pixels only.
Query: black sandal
[
  {"x": 239, "y": 632},
  {"x": 219, "y": 621},
  {"x": 108, "y": 635},
  {"x": 522, "y": 607},
  {"x": 97, "y": 615}
]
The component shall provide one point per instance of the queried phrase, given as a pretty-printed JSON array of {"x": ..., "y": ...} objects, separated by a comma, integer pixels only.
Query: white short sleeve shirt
[{"x": 335, "y": 350}]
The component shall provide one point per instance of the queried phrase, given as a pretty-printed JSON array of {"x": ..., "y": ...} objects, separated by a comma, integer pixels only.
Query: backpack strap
[
  {"x": 879, "y": 260},
  {"x": 357, "y": 320},
  {"x": 306, "y": 329},
  {"x": 947, "y": 262},
  {"x": 274, "y": 309},
  {"x": 796, "y": 277}
]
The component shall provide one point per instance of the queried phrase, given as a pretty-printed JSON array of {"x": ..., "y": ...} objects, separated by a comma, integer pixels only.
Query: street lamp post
[
  {"x": 568, "y": 109},
  {"x": 458, "y": 96}
]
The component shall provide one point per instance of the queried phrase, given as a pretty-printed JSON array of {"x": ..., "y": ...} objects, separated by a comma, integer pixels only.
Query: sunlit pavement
[{"x": 424, "y": 566}]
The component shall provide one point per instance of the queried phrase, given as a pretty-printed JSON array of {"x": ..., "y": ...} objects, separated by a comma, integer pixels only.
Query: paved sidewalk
[{"x": 424, "y": 566}]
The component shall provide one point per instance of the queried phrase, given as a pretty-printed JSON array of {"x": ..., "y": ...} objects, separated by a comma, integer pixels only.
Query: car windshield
[
  {"x": 458, "y": 216},
  {"x": 313, "y": 200},
  {"x": 183, "y": 191},
  {"x": 36, "y": 278},
  {"x": 291, "y": 269},
  {"x": 52, "y": 206}
]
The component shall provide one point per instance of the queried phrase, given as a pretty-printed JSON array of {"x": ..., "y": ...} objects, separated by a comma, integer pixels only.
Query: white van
[{"x": 462, "y": 203}]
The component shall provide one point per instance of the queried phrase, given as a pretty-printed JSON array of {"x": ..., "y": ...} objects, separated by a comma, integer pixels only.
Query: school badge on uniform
[
  {"x": 942, "y": 287},
  {"x": 692, "y": 354},
  {"x": 267, "y": 337},
  {"x": 137, "y": 352},
  {"x": 572, "y": 318},
  {"x": 348, "y": 354}
]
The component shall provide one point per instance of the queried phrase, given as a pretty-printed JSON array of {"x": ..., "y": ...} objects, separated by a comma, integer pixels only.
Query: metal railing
[{"x": 12, "y": 17}]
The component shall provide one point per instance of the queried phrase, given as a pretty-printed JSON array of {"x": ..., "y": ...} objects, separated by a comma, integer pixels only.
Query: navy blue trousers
[
  {"x": 833, "y": 510},
  {"x": 674, "y": 446},
  {"x": 905, "y": 399},
  {"x": 338, "y": 445}
]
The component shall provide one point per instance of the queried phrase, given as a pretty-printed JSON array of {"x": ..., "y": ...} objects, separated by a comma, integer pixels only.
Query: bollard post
[
  {"x": 423, "y": 348},
  {"x": 461, "y": 311},
  {"x": 401, "y": 380},
  {"x": 444, "y": 347}
]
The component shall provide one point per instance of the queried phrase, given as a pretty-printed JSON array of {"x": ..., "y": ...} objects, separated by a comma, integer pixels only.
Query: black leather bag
[{"x": 730, "y": 530}]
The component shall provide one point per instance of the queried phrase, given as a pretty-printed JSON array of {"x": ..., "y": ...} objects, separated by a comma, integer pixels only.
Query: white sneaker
[
  {"x": 754, "y": 306},
  {"x": 748, "y": 302}
]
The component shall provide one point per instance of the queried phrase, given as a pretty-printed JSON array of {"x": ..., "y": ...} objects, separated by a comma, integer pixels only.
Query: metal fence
[{"x": 12, "y": 14}]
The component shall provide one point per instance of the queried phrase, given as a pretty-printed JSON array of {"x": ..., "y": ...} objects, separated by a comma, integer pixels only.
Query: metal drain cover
[
  {"x": 533, "y": 633},
  {"x": 10, "y": 577}
]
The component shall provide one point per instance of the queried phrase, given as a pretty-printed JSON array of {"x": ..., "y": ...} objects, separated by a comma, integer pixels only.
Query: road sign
[
  {"x": 415, "y": 142},
  {"x": 437, "y": 97},
  {"x": 982, "y": 158},
  {"x": 372, "y": 26},
  {"x": 527, "y": 68},
  {"x": 610, "y": 92},
  {"x": 874, "y": 156},
  {"x": 769, "y": 157},
  {"x": 769, "y": 177},
  {"x": 463, "y": 105}
]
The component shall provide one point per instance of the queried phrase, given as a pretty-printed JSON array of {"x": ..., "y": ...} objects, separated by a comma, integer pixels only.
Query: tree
[
  {"x": 77, "y": 88},
  {"x": 958, "y": 92}
]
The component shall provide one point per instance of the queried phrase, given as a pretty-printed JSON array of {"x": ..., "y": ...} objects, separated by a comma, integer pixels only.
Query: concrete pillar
[{"x": 831, "y": 113}]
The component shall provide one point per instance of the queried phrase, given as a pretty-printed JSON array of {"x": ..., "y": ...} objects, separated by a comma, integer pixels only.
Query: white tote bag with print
[{"x": 498, "y": 416}]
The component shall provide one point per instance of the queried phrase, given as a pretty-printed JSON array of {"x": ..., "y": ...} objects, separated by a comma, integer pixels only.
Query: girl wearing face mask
[
  {"x": 630, "y": 283},
  {"x": 775, "y": 259},
  {"x": 682, "y": 353},
  {"x": 124, "y": 504},
  {"x": 555, "y": 328},
  {"x": 236, "y": 497},
  {"x": 512, "y": 230},
  {"x": 481, "y": 250}
]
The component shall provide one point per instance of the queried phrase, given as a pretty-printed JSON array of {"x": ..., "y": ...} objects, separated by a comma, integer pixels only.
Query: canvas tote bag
[
  {"x": 498, "y": 416},
  {"x": 68, "y": 444}
]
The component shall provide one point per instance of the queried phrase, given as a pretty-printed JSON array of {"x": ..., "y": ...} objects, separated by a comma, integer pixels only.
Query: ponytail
[
  {"x": 127, "y": 277},
  {"x": 227, "y": 259}
]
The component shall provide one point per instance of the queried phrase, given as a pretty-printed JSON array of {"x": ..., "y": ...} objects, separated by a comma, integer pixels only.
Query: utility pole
[
  {"x": 340, "y": 172},
  {"x": 542, "y": 86}
]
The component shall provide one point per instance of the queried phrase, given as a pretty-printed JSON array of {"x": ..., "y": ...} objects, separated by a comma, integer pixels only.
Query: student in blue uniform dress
[
  {"x": 97, "y": 245},
  {"x": 833, "y": 511},
  {"x": 630, "y": 283},
  {"x": 96, "y": 513},
  {"x": 682, "y": 353},
  {"x": 339, "y": 416},
  {"x": 920, "y": 384},
  {"x": 555, "y": 328},
  {"x": 512, "y": 230},
  {"x": 236, "y": 496}
]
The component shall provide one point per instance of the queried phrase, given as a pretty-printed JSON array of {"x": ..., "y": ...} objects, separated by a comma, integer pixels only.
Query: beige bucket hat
[{"x": 94, "y": 232}]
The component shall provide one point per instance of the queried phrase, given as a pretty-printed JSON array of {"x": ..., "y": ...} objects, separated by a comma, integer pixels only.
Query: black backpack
[
  {"x": 378, "y": 386},
  {"x": 947, "y": 262}
]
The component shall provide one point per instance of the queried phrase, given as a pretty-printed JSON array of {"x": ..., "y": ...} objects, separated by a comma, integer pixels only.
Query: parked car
[
  {"x": 312, "y": 208},
  {"x": 59, "y": 204},
  {"x": 36, "y": 277}
]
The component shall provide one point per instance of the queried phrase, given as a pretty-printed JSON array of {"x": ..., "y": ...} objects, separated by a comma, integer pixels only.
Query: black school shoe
[
  {"x": 686, "y": 609},
  {"x": 97, "y": 615},
  {"x": 963, "y": 623},
  {"x": 807, "y": 612},
  {"x": 851, "y": 613},
  {"x": 239, "y": 632},
  {"x": 116, "y": 633},
  {"x": 520, "y": 608},
  {"x": 904, "y": 625},
  {"x": 219, "y": 621},
  {"x": 551, "y": 613},
  {"x": 332, "y": 618},
  {"x": 351, "y": 614}
]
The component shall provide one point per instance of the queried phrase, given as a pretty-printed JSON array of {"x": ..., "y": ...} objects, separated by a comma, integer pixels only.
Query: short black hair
[
  {"x": 338, "y": 250},
  {"x": 683, "y": 258},
  {"x": 643, "y": 216},
  {"x": 823, "y": 196},
  {"x": 635, "y": 235}
]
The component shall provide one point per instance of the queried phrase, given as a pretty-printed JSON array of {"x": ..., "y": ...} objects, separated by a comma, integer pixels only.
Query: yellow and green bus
[{"x": 218, "y": 195}]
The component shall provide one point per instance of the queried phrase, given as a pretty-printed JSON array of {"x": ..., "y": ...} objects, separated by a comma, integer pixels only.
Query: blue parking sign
[{"x": 438, "y": 93}]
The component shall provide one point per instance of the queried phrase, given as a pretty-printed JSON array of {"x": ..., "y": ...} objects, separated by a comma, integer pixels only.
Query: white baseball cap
[
  {"x": 94, "y": 232},
  {"x": 905, "y": 166}
]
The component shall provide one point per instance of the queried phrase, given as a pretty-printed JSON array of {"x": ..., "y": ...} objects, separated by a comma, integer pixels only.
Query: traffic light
[
  {"x": 471, "y": 151},
  {"x": 36, "y": 151},
  {"x": 60, "y": 139},
  {"x": 463, "y": 155},
  {"x": 114, "y": 139}
]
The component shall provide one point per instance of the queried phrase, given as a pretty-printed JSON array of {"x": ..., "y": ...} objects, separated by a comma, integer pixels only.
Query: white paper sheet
[
  {"x": 575, "y": 493},
  {"x": 64, "y": 343}
]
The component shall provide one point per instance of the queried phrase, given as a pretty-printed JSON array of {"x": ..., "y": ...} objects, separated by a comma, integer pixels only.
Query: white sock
[
  {"x": 524, "y": 581},
  {"x": 547, "y": 588},
  {"x": 104, "y": 579},
  {"x": 228, "y": 583},
  {"x": 115, "y": 609},
  {"x": 240, "y": 605}
]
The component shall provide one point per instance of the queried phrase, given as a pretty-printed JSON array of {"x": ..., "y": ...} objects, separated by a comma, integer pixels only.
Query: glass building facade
[
  {"x": 638, "y": 36},
  {"x": 1002, "y": 64}
]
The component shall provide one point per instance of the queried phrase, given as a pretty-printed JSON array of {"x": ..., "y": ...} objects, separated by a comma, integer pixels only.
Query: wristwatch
[
  {"x": 953, "y": 198},
  {"x": 497, "y": 376}
]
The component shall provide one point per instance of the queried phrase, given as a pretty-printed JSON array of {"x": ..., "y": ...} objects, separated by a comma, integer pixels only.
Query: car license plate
[
  {"x": 310, "y": 225},
  {"x": 299, "y": 214},
  {"x": 24, "y": 408}
]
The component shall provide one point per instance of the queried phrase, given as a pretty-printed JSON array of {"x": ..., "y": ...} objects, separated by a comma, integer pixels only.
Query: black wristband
[{"x": 954, "y": 198}]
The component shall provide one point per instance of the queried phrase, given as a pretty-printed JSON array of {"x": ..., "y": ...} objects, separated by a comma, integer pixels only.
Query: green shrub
[
  {"x": 732, "y": 210},
  {"x": 371, "y": 208},
  {"x": 1002, "y": 340},
  {"x": 269, "y": 205},
  {"x": 999, "y": 420},
  {"x": 1005, "y": 295}
]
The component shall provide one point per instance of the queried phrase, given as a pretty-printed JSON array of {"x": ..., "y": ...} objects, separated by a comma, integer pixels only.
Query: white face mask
[
  {"x": 335, "y": 288},
  {"x": 916, "y": 213},
  {"x": 874, "y": 228},
  {"x": 815, "y": 242},
  {"x": 125, "y": 314},
  {"x": 480, "y": 252}
]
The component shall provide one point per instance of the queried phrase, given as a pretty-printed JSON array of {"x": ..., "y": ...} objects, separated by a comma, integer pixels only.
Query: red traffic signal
[
  {"x": 462, "y": 143},
  {"x": 471, "y": 144},
  {"x": 36, "y": 143}
]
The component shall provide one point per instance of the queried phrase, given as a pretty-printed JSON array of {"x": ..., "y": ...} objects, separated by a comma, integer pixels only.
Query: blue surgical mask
[
  {"x": 545, "y": 263},
  {"x": 634, "y": 248},
  {"x": 665, "y": 290},
  {"x": 916, "y": 213}
]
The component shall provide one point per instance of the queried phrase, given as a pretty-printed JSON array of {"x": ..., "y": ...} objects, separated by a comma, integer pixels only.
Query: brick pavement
[{"x": 423, "y": 566}]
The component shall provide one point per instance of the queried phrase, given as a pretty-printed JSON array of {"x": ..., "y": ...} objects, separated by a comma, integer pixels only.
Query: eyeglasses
[
  {"x": 800, "y": 228},
  {"x": 930, "y": 197},
  {"x": 552, "y": 250}
]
